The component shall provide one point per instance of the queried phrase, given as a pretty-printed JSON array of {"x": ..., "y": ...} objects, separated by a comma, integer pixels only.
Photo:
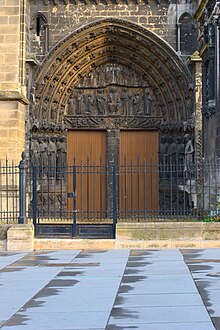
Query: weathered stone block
[
  {"x": 20, "y": 238},
  {"x": 160, "y": 231}
]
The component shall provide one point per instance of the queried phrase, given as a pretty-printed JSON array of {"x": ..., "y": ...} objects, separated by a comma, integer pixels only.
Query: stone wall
[
  {"x": 12, "y": 76},
  {"x": 160, "y": 17}
]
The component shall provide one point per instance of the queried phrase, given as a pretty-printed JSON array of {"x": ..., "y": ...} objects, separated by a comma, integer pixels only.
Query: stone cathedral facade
[{"x": 110, "y": 65}]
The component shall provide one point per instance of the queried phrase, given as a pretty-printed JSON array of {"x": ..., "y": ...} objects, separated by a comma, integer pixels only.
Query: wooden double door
[{"x": 136, "y": 169}]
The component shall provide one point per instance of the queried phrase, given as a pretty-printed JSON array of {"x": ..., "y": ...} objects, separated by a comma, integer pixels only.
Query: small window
[{"x": 188, "y": 36}]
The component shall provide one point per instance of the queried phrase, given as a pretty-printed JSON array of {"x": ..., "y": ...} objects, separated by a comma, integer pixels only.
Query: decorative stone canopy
[{"x": 112, "y": 41}]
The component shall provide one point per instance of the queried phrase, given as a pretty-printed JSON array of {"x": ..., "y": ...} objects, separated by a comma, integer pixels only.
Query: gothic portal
[{"x": 111, "y": 75}]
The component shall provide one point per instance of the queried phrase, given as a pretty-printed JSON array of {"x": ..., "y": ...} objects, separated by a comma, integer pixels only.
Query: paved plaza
[{"x": 112, "y": 289}]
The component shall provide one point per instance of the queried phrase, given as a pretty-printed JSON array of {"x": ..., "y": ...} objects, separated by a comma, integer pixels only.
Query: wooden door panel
[
  {"x": 138, "y": 173},
  {"x": 87, "y": 150}
]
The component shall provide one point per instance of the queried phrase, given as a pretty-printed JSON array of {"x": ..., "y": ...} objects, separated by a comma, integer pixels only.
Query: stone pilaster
[
  {"x": 197, "y": 61},
  {"x": 12, "y": 78}
]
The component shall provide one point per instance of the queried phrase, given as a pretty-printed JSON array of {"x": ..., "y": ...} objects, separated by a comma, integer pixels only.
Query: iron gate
[
  {"x": 87, "y": 200},
  {"x": 72, "y": 201}
]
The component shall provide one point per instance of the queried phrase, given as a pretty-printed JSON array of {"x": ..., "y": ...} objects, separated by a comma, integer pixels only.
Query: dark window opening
[{"x": 38, "y": 26}]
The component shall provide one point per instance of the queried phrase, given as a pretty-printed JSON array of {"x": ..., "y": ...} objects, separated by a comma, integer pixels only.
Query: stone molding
[{"x": 13, "y": 96}]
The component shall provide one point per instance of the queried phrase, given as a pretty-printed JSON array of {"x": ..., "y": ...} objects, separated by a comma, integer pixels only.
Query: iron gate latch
[{"x": 71, "y": 195}]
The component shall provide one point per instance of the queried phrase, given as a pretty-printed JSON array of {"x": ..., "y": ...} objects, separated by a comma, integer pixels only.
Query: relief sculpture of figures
[
  {"x": 125, "y": 102},
  {"x": 35, "y": 153},
  {"x": 180, "y": 150},
  {"x": 43, "y": 155},
  {"x": 189, "y": 154},
  {"x": 61, "y": 157},
  {"x": 81, "y": 102},
  {"x": 72, "y": 108},
  {"x": 113, "y": 101},
  {"x": 136, "y": 102},
  {"x": 91, "y": 103},
  {"x": 163, "y": 149},
  {"x": 171, "y": 150},
  {"x": 101, "y": 102},
  {"x": 147, "y": 102},
  {"x": 52, "y": 156}
]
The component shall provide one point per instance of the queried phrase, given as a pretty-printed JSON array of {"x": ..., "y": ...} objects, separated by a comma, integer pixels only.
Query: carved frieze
[{"x": 114, "y": 121}]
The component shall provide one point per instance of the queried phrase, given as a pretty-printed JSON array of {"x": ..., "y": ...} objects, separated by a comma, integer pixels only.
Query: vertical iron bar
[
  {"x": 177, "y": 186},
  {"x": 171, "y": 188},
  {"x": 203, "y": 187},
  {"x": 48, "y": 173},
  {"x": 94, "y": 200},
  {"x": 13, "y": 189},
  {"x": 100, "y": 187},
  {"x": 61, "y": 190},
  {"x": 87, "y": 188},
  {"x": 164, "y": 186},
  {"x": 139, "y": 193},
  {"x": 209, "y": 171},
  {"x": 151, "y": 185},
  {"x": 7, "y": 200},
  {"x": 22, "y": 189},
  {"x": 145, "y": 186},
  {"x": 125, "y": 186},
  {"x": 81, "y": 172},
  {"x": 54, "y": 193},
  {"x": 74, "y": 201},
  {"x": 114, "y": 201},
  {"x": 34, "y": 196}
]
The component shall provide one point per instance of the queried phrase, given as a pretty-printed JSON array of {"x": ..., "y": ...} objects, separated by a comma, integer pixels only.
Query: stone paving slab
[
  {"x": 157, "y": 300},
  {"x": 164, "y": 326},
  {"x": 7, "y": 258},
  {"x": 109, "y": 289},
  {"x": 205, "y": 269}
]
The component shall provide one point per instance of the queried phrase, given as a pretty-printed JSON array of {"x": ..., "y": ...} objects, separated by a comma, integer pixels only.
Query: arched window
[
  {"x": 187, "y": 35},
  {"x": 39, "y": 34}
]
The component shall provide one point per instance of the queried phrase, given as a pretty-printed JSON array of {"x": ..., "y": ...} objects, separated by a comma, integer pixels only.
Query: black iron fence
[
  {"x": 9, "y": 192},
  {"x": 97, "y": 193}
]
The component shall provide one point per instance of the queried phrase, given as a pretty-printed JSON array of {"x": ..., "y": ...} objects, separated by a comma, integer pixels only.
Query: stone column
[
  {"x": 216, "y": 14},
  {"x": 12, "y": 79},
  {"x": 197, "y": 61},
  {"x": 112, "y": 159}
]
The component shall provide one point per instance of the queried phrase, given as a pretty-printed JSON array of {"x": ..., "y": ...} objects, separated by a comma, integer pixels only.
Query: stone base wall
[
  {"x": 167, "y": 231},
  {"x": 136, "y": 236}
]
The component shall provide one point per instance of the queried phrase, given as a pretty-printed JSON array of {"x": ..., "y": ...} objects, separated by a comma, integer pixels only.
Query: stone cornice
[{"x": 13, "y": 96}]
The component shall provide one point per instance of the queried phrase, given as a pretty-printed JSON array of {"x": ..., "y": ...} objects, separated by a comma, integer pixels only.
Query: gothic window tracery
[{"x": 39, "y": 34}]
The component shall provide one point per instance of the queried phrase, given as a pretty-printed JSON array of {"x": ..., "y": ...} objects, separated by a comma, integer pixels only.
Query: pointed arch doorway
[{"x": 110, "y": 75}]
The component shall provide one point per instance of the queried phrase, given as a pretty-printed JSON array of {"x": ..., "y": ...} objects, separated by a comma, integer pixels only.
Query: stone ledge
[
  {"x": 89, "y": 244},
  {"x": 164, "y": 231},
  {"x": 13, "y": 96}
]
